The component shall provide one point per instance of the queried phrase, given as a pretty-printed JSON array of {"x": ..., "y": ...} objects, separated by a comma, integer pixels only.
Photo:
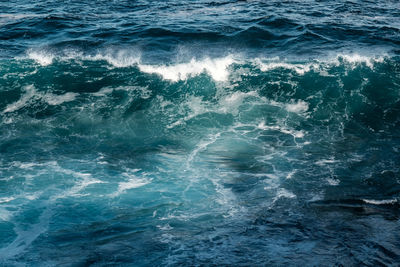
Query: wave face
[{"x": 199, "y": 133}]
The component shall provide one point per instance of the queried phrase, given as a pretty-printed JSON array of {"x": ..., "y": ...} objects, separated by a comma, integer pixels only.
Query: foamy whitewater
[{"x": 180, "y": 133}]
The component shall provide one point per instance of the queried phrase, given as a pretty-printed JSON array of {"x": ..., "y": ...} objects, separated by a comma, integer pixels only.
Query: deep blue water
[{"x": 199, "y": 133}]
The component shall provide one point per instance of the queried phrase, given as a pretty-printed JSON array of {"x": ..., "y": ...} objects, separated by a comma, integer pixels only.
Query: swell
[{"x": 237, "y": 25}]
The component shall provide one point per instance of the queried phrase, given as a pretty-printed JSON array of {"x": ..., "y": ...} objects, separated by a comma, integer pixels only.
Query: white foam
[
  {"x": 6, "y": 199},
  {"x": 290, "y": 174},
  {"x": 333, "y": 181},
  {"x": 31, "y": 197},
  {"x": 21, "y": 165},
  {"x": 166, "y": 227},
  {"x": 201, "y": 146},
  {"x": 85, "y": 182},
  {"x": 30, "y": 92},
  {"x": 320, "y": 64},
  {"x": 196, "y": 105},
  {"x": 5, "y": 215},
  {"x": 274, "y": 64},
  {"x": 317, "y": 197},
  {"x": 54, "y": 100},
  {"x": 357, "y": 59},
  {"x": 22, "y": 16},
  {"x": 132, "y": 182},
  {"x": 323, "y": 162},
  {"x": 283, "y": 193},
  {"x": 297, "y": 107},
  {"x": 226, "y": 198},
  {"x": 230, "y": 103},
  {"x": 143, "y": 91},
  {"x": 86, "y": 179},
  {"x": 380, "y": 202},
  {"x": 42, "y": 57},
  {"x": 103, "y": 91},
  {"x": 166, "y": 238},
  {"x": 294, "y": 133},
  {"x": 119, "y": 59},
  {"x": 216, "y": 68}
]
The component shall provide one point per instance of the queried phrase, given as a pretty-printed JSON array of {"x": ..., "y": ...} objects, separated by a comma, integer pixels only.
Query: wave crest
[{"x": 216, "y": 67}]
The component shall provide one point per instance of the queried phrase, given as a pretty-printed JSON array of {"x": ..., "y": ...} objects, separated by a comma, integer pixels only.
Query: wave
[{"x": 218, "y": 68}]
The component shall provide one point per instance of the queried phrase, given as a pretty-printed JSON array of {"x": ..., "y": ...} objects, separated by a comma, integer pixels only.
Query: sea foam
[
  {"x": 31, "y": 94},
  {"x": 216, "y": 68},
  {"x": 42, "y": 57}
]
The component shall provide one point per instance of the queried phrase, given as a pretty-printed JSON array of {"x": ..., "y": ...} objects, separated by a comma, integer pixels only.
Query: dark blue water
[{"x": 199, "y": 133}]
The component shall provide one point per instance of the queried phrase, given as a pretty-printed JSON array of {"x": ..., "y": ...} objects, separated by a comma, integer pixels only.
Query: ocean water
[{"x": 199, "y": 133}]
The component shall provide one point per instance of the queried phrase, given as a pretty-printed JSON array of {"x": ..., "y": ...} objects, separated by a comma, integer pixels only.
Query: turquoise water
[{"x": 199, "y": 133}]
